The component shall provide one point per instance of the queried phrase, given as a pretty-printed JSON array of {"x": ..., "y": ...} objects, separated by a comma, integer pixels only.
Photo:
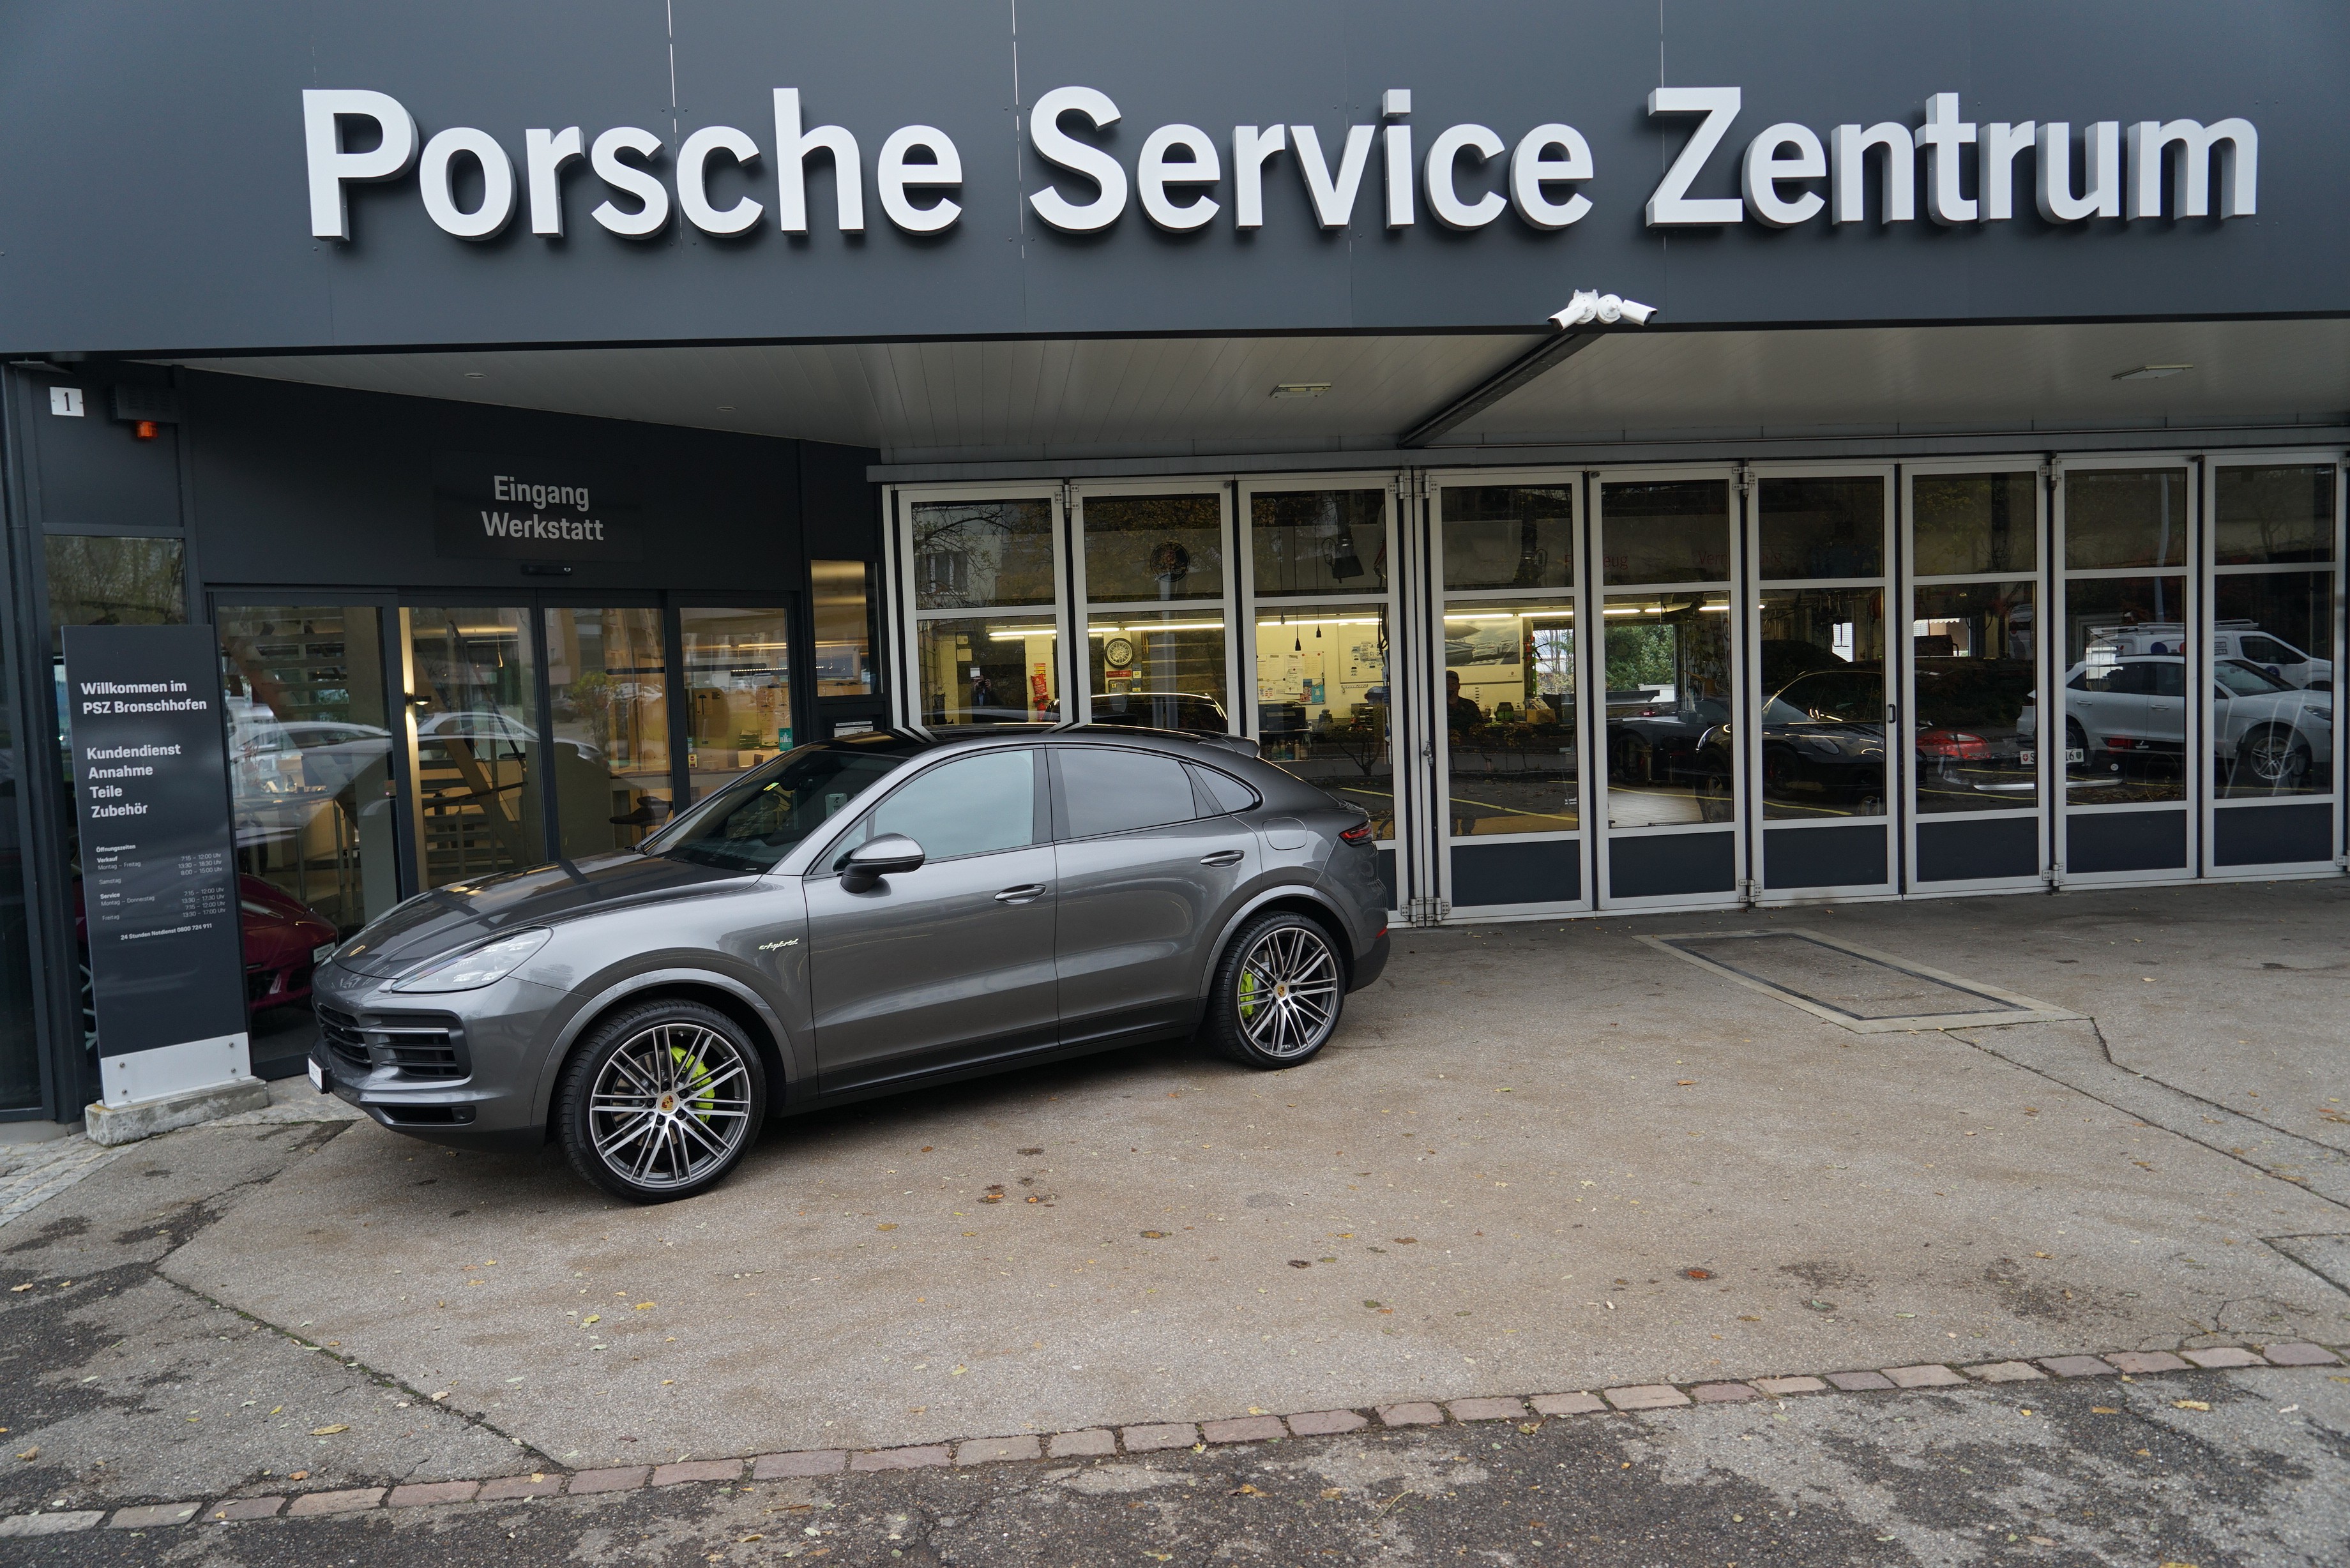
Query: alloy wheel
[
  {"x": 2278, "y": 759},
  {"x": 1288, "y": 991},
  {"x": 670, "y": 1106}
]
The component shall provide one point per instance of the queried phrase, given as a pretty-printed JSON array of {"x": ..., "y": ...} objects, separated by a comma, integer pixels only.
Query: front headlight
[{"x": 475, "y": 966}]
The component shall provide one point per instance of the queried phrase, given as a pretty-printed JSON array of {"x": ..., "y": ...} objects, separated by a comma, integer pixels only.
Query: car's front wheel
[
  {"x": 660, "y": 1101},
  {"x": 1278, "y": 993}
]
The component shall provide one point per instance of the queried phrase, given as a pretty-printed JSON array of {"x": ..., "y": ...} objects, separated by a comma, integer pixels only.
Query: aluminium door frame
[
  {"x": 1731, "y": 473},
  {"x": 2209, "y": 571},
  {"x": 1895, "y": 773},
  {"x": 1439, "y": 786},
  {"x": 1080, "y": 705},
  {"x": 1414, "y": 894},
  {"x": 2198, "y": 667},
  {"x": 899, "y": 563},
  {"x": 2046, "y": 780}
]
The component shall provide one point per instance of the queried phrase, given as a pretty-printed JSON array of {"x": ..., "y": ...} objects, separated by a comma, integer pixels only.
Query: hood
[{"x": 461, "y": 914}]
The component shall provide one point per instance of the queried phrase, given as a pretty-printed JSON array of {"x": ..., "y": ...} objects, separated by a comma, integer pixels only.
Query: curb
[{"x": 1161, "y": 1437}]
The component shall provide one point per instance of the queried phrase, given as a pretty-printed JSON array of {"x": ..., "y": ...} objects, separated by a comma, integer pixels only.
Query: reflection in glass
[
  {"x": 975, "y": 553},
  {"x": 844, "y": 628},
  {"x": 1671, "y": 706},
  {"x": 1322, "y": 702},
  {"x": 1830, "y": 527},
  {"x": 1510, "y": 719},
  {"x": 607, "y": 681},
  {"x": 310, "y": 760},
  {"x": 1669, "y": 530},
  {"x": 1823, "y": 666},
  {"x": 988, "y": 669},
  {"x": 2125, "y": 690},
  {"x": 1975, "y": 524},
  {"x": 1319, "y": 542},
  {"x": 738, "y": 685},
  {"x": 20, "y": 1068},
  {"x": 2272, "y": 684},
  {"x": 1509, "y": 535},
  {"x": 1154, "y": 547},
  {"x": 1972, "y": 644},
  {"x": 1163, "y": 669},
  {"x": 2264, "y": 516},
  {"x": 478, "y": 745},
  {"x": 2125, "y": 517},
  {"x": 111, "y": 580}
]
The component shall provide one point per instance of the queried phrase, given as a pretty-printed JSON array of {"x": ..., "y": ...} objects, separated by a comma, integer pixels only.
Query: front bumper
[{"x": 462, "y": 1069}]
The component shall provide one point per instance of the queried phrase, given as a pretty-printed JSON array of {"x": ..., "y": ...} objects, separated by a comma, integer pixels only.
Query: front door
[
  {"x": 1148, "y": 866},
  {"x": 952, "y": 963}
]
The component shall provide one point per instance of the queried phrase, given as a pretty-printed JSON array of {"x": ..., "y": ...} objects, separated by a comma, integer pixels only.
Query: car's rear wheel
[
  {"x": 2276, "y": 757},
  {"x": 661, "y": 1101},
  {"x": 1278, "y": 993}
]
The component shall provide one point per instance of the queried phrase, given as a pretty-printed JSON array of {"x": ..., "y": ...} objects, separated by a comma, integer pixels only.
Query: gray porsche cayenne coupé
[{"x": 878, "y": 912}]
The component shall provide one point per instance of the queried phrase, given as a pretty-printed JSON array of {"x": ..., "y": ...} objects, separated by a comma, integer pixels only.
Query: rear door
[
  {"x": 951, "y": 963},
  {"x": 1149, "y": 864}
]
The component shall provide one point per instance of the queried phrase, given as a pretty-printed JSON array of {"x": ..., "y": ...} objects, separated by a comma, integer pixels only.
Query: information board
[{"x": 157, "y": 873}]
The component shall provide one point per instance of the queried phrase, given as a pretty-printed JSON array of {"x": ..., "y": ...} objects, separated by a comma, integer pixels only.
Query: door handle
[
  {"x": 1026, "y": 894},
  {"x": 1224, "y": 858}
]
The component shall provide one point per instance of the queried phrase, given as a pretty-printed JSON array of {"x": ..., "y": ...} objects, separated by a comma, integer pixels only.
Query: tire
[
  {"x": 661, "y": 1101},
  {"x": 2275, "y": 757},
  {"x": 1279, "y": 989}
]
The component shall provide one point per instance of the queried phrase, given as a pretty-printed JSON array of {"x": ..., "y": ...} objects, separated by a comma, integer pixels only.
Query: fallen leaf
[
  {"x": 885, "y": 1227},
  {"x": 2103, "y": 1410},
  {"x": 2039, "y": 1254},
  {"x": 958, "y": 1372},
  {"x": 744, "y": 1540},
  {"x": 26, "y": 1287},
  {"x": 276, "y": 1408},
  {"x": 1699, "y": 1273},
  {"x": 1032, "y": 1151},
  {"x": 1299, "y": 1263},
  {"x": 2190, "y": 1403},
  {"x": 591, "y": 1317},
  {"x": 643, "y": 1306},
  {"x": 1247, "y": 1490},
  {"x": 1685, "y": 1083},
  {"x": 32, "y": 1453},
  {"x": 1330, "y": 1493},
  {"x": 436, "y": 1398},
  {"x": 1407, "y": 1240},
  {"x": 329, "y": 1431}
]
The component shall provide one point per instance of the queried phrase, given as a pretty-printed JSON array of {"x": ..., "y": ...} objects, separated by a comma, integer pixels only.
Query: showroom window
[
  {"x": 1155, "y": 587},
  {"x": 985, "y": 581},
  {"x": 1320, "y": 621}
]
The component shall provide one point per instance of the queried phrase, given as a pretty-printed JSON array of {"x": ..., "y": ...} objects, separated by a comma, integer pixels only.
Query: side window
[
  {"x": 1104, "y": 790},
  {"x": 974, "y": 806},
  {"x": 2170, "y": 680},
  {"x": 2269, "y": 651},
  {"x": 1227, "y": 793}
]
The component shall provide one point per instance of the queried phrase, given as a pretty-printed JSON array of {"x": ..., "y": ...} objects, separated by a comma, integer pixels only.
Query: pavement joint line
[{"x": 1109, "y": 1442}]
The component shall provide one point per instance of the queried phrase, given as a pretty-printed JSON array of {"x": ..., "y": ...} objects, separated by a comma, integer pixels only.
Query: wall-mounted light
[
  {"x": 1607, "y": 310},
  {"x": 146, "y": 430},
  {"x": 2150, "y": 373},
  {"x": 1301, "y": 388}
]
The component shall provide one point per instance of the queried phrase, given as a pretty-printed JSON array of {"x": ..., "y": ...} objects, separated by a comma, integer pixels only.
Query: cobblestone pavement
[
  {"x": 1540, "y": 1158},
  {"x": 2248, "y": 1468}
]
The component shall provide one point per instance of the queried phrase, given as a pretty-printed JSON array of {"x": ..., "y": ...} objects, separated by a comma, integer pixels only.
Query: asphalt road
[{"x": 2078, "y": 1473}]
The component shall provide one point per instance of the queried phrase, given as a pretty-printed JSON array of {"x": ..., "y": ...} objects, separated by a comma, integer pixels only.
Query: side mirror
[{"x": 865, "y": 865}]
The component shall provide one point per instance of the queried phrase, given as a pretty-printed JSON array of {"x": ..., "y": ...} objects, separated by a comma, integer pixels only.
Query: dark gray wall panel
[
  {"x": 1822, "y": 858},
  {"x": 1958, "y": 850},
  {"x": 93, "y": 473},
  {"x": 155, "y": 196},
  {"x": 1672, "y": 865},
  {"x": 1546, "y": 871},
  {"x": 2272, "y": 834},
  {"x": 2127, "y": 841}
]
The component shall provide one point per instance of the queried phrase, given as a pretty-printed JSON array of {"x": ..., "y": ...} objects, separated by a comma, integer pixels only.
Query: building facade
[{"x": 1651, "y": 458}]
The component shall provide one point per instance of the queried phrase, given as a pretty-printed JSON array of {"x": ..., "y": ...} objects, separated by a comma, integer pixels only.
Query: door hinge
[
  {"x": 1745, "y": 480},
  {"x": 1068, "y": 499}
]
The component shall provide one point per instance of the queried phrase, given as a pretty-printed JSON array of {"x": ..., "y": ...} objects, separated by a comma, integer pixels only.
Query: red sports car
[{"x": 283, "y": 938}]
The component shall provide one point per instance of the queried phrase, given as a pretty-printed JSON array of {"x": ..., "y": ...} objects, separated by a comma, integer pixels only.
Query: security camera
[{"x": 1588, "y": 305}]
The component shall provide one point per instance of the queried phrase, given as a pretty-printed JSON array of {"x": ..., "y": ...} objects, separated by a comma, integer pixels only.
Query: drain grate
[{"x": 1857, "y": 987}]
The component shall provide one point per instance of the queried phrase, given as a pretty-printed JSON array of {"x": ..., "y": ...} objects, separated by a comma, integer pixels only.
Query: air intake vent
[{"x": 423, "y": 1048}]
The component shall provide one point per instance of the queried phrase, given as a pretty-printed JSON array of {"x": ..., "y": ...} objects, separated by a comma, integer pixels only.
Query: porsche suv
[{"x": 878, "y": 912}]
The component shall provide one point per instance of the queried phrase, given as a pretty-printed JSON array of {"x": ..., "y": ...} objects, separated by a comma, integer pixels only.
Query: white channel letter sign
[{"x": 1789, "y": 174}]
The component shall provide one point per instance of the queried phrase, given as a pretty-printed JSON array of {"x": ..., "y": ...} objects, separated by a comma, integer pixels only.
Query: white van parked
[{"x": 2241, "y": 639}]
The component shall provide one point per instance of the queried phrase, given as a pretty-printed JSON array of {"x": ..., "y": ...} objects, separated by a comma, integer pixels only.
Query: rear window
[{"x": 761, "y": 816}]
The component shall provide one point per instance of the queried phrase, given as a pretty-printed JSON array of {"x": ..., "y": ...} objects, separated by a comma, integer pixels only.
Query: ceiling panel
[{"x": 977, "y": 401}]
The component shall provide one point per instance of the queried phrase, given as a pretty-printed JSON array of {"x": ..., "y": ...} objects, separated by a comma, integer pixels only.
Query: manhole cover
[{"x": 1862, "y": 989}]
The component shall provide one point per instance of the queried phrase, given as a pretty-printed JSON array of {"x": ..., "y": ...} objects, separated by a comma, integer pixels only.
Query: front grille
[{"x": 426, "y": 1048}]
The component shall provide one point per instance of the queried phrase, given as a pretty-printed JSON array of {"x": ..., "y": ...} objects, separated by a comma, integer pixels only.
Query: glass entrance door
[
  {"x": 1667, "y": 665},
  {"x": 2128, "y": 617},
  {"x": 1507, "y": 553},
  {"x": 1820, "y": 543},
  {"x": 1970, "y": 718},
  {"x": 473, "y": 704},
  {"x": 2272, "y": 628}
]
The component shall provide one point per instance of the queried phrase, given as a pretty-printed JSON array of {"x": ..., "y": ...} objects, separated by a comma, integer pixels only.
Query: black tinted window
[
  {"x": 1106, "y": 791},
  {"x": 974, "y": 806},
  {"x": 1227, "y": 792}
]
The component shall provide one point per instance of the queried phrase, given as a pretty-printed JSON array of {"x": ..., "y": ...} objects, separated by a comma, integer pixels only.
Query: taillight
[{"x": 1359, "y": 834}]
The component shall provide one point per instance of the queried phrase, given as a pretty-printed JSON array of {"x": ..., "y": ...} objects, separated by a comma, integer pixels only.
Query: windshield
[
  {"x": 2242, "y": 680},
  {"x": 755, "y": 821}
]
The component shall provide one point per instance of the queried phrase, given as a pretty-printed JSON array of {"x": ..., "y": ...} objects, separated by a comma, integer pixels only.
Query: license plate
[
  {"x": 323, "y": 951},
  {"x": 2027, "y": 758},
  {"x": 2076, "y": 754},
  {"x": 317, "y": 1077}
]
